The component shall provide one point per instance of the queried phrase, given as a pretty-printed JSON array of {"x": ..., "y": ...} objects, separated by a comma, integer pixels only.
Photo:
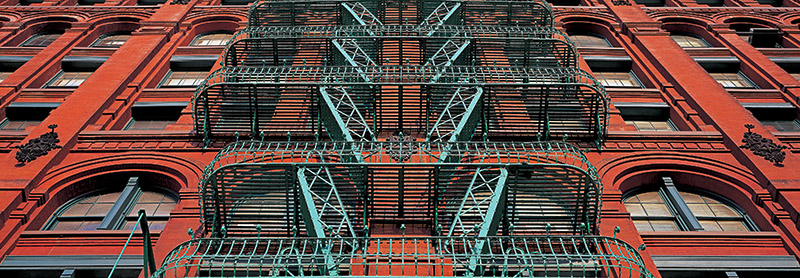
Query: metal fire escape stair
[{"x": 431, "y": 116}]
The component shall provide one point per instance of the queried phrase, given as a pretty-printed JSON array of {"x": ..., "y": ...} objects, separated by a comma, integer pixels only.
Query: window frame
[
  {"x": 116, "y": 217},
  {"x": 595, "y": 35},
  {"x": 685, "y": 219},
  {"x": 60, "y": 74},
  {"x": 738, "y": 73},
  {"x": 170, "y": 72},
  {"x": 6, "y": 121},
  {"x": 197, "y": 38},
  {"x": 631, "y": 74},
  {"x": 700, "y": 39},
  {"x": 108, "y": 35},
  {"x": 669, "y": 123},
  {"x": 27, "y": 41},
  {"x": 795, "y": 122}
]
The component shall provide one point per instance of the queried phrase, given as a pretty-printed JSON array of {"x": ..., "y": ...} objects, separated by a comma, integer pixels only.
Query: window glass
[
  {"x": 783, "y": 125},
  {"x": 111, "y": 41},
  {"x": 87, "y": 212},
  {"x": 651, "y": 211},
  {"x": 652, "y": 125},
  {"x": 17, "y": 125},
  {"x": 617, "y": 79},
  {"x": 69, "y": 79},
  {"x": 147, "y": 125},
  {"x": 40, "y": 40},
  {"x": 687, "y": 41},
  {"x": 4, "y": 75},
  {"x": 732, "y": 80},
  {"x": 584, "y": 40},
  {"x": 184, "y": 78},
  {"x": 212, "y": 39}
]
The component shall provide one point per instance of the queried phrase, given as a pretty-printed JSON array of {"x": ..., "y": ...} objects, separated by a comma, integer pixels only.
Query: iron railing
[
  {"x": 512, "y": 256},
  {"x": 334, "y": 12},
  {"x": 548, "y": 185},
  {"x": 512, "y": 46},
  {"x": 531, "y": 102}
]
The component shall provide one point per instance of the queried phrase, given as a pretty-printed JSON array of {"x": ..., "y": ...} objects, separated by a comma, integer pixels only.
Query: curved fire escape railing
[
  {"x": 538, "y": 101},
  {"x": 308, "y": 12},
  {"x": 338, "y": 69},
  {"x": 546, "y": 183},
  {"x": 514, "y": 256}
]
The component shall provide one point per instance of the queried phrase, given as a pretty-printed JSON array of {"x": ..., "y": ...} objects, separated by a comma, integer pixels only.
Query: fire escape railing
[
  {"x": 484, "y": 85},
  {"x": 515, "y": 256}
]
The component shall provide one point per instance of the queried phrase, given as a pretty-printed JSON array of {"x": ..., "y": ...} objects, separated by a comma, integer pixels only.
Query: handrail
[
  {"x": 149, "y": 261},
  {"x": 510, "y": 256}
]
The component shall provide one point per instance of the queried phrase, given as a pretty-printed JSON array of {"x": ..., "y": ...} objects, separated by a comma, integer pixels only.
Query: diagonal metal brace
[{"x": 459, "y": 118}]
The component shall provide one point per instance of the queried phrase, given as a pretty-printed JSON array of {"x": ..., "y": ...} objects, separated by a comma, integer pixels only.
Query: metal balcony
[
  {"x": 502, "y": 102},
  {"x": 338, "y": 188},
  {"x": 512, "y": 256},
  {"x": 482, "y": 45},
  {"x": 349, "y": 12}
]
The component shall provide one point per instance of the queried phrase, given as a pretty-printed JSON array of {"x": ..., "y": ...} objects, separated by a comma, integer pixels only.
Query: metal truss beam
[
  {"x": 361, "y": 13},
  {"x": 440, "y": 15},
  {"x": 348, "y": 122},
  {"x": 344, "y": 121},
  {"x": 458, "y": 119},
  {"x": 355, "y": 55},
  {"x": 484, "y": 202},
  {"x": 322, "y": 204},
  {"x": 312, "y": 183}
]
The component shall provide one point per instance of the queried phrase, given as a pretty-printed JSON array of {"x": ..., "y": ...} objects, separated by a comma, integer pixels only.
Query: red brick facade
[{"x": 705, "y": 153}]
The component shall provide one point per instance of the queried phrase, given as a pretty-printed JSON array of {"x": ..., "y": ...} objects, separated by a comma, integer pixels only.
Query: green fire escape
[{"x": 432, "y": 116}]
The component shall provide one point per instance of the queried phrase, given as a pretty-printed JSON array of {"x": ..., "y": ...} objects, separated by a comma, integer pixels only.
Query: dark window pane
[
  {"x": 111, "y": 41},
  {"x": 40, "y": 40}
]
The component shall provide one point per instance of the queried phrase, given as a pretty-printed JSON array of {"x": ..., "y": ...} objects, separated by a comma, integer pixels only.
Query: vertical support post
[{"x": 149, "y": 257}]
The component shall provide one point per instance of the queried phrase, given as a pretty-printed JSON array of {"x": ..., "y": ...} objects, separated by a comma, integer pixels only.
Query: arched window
[
  {"x": 589, "y": 40},
  {"x": 112, "y": 40},
  {"x": 41, "y": 39},
  {"x": 212, "y": 39},
  {"x": 670, "y": 209},
  {"x": 113, "y": 210},
  {"x": 689, "y": 41}
]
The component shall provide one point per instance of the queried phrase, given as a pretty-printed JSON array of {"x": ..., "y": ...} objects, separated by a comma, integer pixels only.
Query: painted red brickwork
[{"x": 703, "y": 154}]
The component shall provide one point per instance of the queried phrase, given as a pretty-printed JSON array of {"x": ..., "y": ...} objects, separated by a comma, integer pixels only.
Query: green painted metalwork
[
  {"x": 321, "y": 200},
  {"x": 440, "y": 15},
  {"x": 555, "y": 256},
  {"x": 525, "y": 46},
  {"x": 482, "y": 205},
  {"x": 512, "y": 96},
  {"x": 548, "y": 182},
  {"x": 344, "y": 116},
  {"x": 147, "y": 251},
  {"x": 290, "y": 13}
]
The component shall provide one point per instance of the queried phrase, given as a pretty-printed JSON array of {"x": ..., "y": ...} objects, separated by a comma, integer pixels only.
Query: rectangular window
[
  {"x": 41, "y": 40},
  {"x": 21, "y": 115},
  {"x": 4, "y": 75},
  {"x": 154, "y": 115},
  {"x": 781, "y": 117},
  {"x": 652, "y": 125},
  {"x": 646, "y": 116},
  {"x": 783, "y": 125},
  {"x": 184, "y": 78},
  {"x": 732, "y": 79},
  {"x": 69, "y": 79},
  {"x": 617, "y": 79}
]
